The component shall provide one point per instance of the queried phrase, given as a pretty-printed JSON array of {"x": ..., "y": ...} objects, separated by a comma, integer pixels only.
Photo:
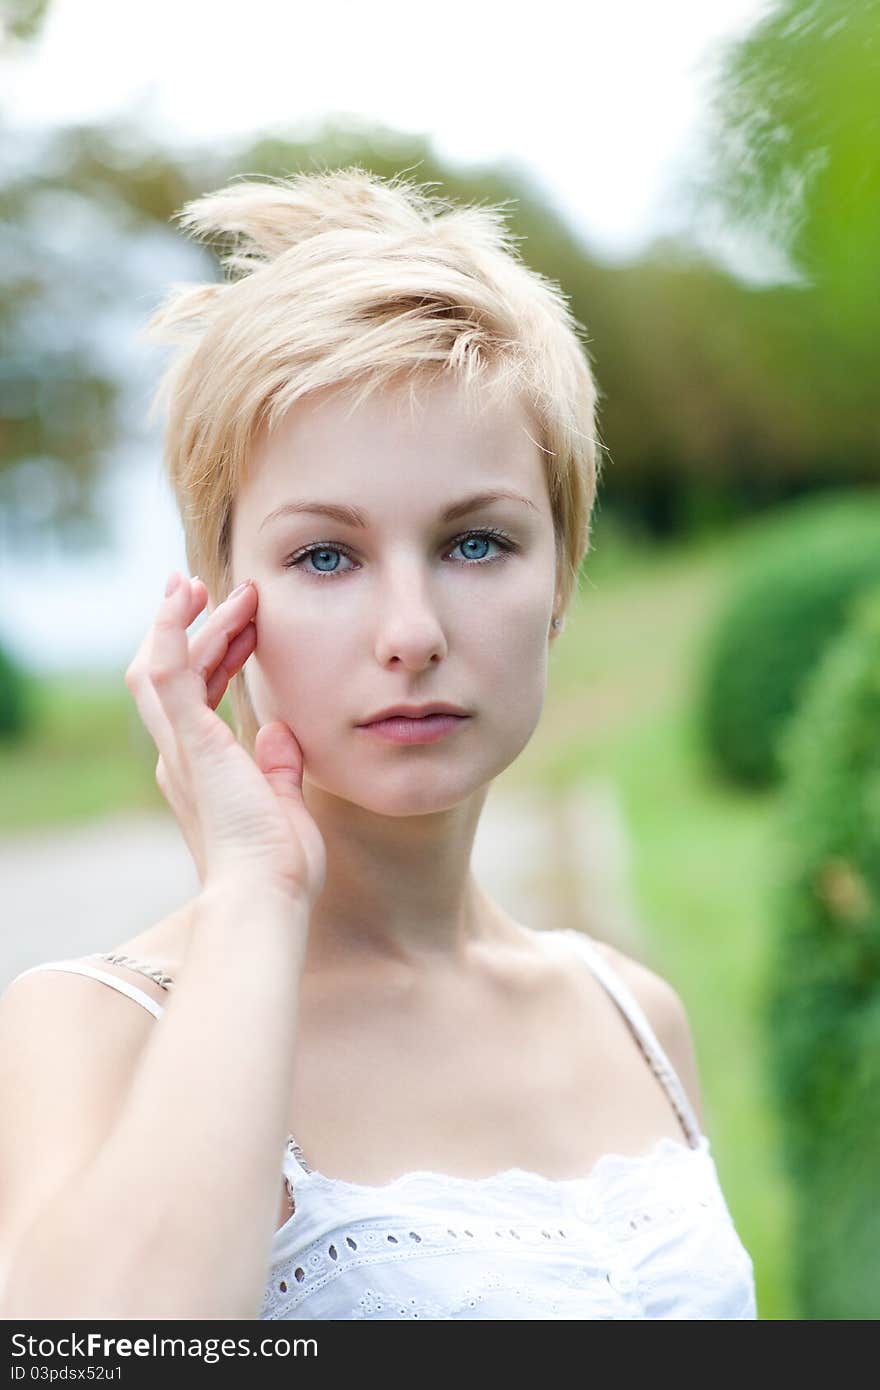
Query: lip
[
  {"x": 428, "y": 729},
  {"x": 414, "y": 712}
]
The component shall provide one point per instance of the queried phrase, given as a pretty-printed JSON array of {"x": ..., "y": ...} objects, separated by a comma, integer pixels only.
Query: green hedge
[
  {"x": 790, "y": 599},
  {"x": 16, "y": 705},
  {"x": 821, "y": 995}
]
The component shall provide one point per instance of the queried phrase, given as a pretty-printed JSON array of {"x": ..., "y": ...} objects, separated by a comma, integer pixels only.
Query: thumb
[{"x": 279, "y": 758}]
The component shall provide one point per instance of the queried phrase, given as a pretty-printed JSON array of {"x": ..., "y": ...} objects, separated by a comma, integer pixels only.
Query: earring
[{"x": 557, "y": 622}]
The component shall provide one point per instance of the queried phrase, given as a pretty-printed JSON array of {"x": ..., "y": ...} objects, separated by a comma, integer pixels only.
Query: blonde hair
[{"x": 344, "y": 279}]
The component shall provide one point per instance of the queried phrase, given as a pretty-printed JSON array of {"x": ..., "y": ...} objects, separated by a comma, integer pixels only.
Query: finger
[
  {"x": 209, "y": 647},
  {"x": 148, "y": 704},
  {"x": 198, "y": 594},
  {"x": 279, "y": 758},
  {"x": 210, "y": 655},
  {"x": 180, "y": 689},
  {"x": 237, "y": 653}
]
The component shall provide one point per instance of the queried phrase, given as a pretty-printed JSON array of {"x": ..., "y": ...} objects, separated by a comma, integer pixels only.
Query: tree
[{"x": 795, "y": 152}]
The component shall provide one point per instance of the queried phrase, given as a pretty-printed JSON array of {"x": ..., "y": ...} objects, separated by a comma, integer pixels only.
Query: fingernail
[
  {"x": 172, "y": 584},
  {"x": 241, "y": 588}
]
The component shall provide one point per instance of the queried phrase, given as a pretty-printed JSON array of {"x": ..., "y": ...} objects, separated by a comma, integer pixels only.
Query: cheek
[
  {"x": 514, "y": 642},
  {"x": 294, "y": 665},
  {"x": 507, "y": 671}
]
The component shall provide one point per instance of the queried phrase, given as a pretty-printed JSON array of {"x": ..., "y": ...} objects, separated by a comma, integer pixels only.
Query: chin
[{"x": 406, "y": 791}]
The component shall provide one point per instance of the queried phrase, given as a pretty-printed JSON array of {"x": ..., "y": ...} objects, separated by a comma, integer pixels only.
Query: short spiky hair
[{"x": 345, "y": 279}]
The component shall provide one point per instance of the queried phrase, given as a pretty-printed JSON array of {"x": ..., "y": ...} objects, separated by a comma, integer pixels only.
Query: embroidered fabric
[{"x": 639, "y": 1236}]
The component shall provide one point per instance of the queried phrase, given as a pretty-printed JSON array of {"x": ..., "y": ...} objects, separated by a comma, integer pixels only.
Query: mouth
[{"x": 407, "y": 729}]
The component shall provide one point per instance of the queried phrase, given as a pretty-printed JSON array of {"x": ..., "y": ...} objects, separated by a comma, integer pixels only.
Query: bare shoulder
[
  {"x": 69, "y": 1046},
  {"x": 667, "y": 1015},
  {"x": 52, "y": 1004},
  {"x": 79, "y": 999},
  {"x": 67, "y": 1035},
  {"x": 70, "y": 1043}
]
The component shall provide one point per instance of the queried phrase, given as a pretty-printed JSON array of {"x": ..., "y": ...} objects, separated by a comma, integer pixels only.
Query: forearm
[{"x": 175, "y": 1215}]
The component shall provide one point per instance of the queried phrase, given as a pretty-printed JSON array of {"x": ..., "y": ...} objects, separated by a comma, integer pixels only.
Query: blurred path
[{"x": 549, "y": 861}]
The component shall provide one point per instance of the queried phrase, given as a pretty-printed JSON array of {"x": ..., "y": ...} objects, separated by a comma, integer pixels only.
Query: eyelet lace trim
[
  {"x": 608, "y": 1164},
  {"x": 361, "y": 1242}
]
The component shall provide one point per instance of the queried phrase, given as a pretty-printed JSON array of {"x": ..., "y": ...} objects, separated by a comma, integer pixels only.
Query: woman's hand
[{"x": 242, "y": 819}]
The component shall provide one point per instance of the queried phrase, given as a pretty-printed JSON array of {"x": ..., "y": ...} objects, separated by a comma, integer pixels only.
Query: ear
[{"x": 556, "y": 613}]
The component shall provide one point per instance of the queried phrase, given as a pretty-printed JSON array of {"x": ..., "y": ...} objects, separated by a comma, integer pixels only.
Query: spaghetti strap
[
  {"x": 293, "y": 1152},
  {"x": 295, "y": 1158},
  {"x": 77, "y": 967},
  {"x": 152, "y": 972},
  {"x": 643, "y": 1032}
]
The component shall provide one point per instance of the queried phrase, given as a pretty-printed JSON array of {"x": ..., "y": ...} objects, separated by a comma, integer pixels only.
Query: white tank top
[{"x": 646, "y": 1236}]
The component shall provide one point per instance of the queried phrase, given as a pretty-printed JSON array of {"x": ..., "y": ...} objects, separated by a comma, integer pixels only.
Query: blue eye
[
  {"x": 325, "y": 549},
  {"x": 320, "y": 552}
]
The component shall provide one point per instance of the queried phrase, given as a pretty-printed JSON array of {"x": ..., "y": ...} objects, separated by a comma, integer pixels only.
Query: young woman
[{"x": 343, "y": 1082}]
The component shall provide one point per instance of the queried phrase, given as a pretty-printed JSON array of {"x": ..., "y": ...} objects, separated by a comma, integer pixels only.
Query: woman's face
[{"x": 408, "y": 607}]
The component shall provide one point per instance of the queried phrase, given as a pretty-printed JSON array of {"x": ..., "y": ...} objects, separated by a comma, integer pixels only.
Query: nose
[{"x": 408, "y": 627}]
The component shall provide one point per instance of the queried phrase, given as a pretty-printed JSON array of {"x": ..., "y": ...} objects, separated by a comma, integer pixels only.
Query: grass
[
  {"x": 87, "y": 755},
  {"x": 620, "y": 703}
]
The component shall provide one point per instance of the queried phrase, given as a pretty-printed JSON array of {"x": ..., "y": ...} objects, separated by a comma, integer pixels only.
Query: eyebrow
[{"x": 353, "y": 516}]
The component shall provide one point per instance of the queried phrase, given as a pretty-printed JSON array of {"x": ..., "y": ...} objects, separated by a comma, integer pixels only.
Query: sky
[
  {"x": 601, "y": 105},
  {"x": 599, "y": 102}
]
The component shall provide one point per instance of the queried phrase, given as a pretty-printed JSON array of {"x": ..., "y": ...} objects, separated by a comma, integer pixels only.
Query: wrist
[
  {"x": 256, "y": 928},
  {"x": 252, "y": 892}
]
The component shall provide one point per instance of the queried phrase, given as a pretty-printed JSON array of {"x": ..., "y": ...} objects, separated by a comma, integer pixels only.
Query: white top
[{"x": 648, "y": 1236}]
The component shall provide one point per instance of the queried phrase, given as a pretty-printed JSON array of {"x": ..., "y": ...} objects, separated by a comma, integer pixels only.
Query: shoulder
[
  {"x": 667, "y": 1015},
  {"x": 69, "y": 1047},
  {"x": 48, "y": 999},
  {"x": 51, "y": 998}
]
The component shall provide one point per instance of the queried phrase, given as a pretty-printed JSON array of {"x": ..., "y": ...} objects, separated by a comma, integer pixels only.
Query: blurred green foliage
[
  {"x": 797, "y": 152},
  {"x": 83, "y": 754},
  {"x": 821, "y": 1003},
  {"x": 16, "y": 698},
  {"x": 787, "y": 603},
  {"x": 21, "y": 20}
]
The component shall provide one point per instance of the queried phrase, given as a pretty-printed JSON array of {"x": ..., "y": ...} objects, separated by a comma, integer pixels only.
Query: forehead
[{"x": 432, "y": 441}]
